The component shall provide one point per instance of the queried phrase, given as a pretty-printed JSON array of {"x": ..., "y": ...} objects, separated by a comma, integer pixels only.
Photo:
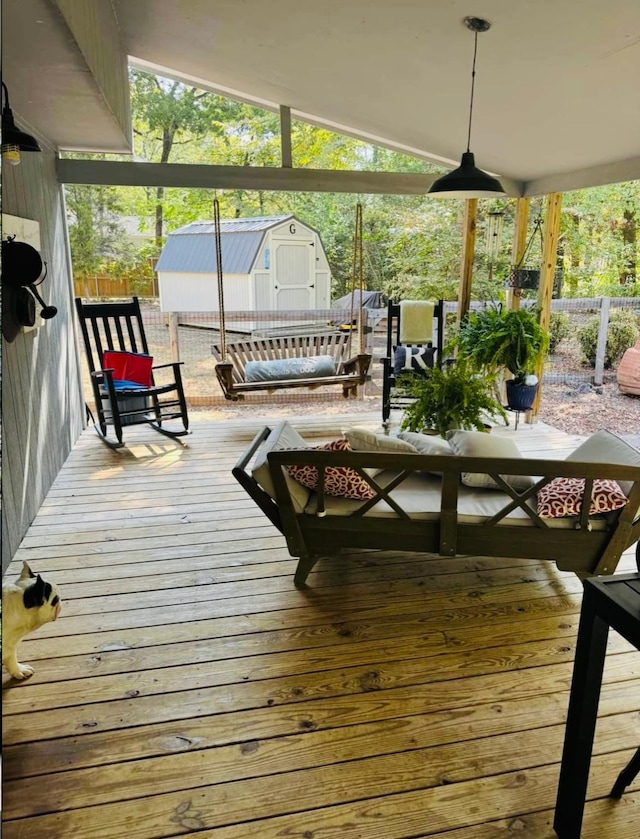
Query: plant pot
[
  {"x": 526, "y": 278},
  {"x": 520, "y": 397}
]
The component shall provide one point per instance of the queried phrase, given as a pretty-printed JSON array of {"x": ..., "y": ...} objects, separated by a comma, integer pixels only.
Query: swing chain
[
  {"x": 357, "y": 275},
  {"x": 218, "y": 241}
]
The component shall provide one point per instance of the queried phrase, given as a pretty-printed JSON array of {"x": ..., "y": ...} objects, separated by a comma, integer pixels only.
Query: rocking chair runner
[
  {"x": 230, "y": 373},
  {"x": 118, "y": 328}
]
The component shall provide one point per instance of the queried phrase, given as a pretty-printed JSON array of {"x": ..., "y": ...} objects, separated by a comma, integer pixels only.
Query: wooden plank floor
[{"x": 188, "y": 687}]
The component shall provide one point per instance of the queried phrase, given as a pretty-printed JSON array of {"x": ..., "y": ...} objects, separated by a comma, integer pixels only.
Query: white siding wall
[
  {"x": 199, "y": 292},
  {"x": 42, "y": 405}
]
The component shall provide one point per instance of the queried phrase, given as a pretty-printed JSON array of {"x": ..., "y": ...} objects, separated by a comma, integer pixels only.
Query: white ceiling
[{"x": 557, "y": 86}]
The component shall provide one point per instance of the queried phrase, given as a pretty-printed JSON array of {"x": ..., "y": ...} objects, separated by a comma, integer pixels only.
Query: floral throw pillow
[
  {"x": 563, "y": 497},
  {"x": 338, "y": 480}
]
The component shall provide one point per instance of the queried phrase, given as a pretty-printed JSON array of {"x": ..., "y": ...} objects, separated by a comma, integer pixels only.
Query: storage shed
[{"x": 270, "y": 264}]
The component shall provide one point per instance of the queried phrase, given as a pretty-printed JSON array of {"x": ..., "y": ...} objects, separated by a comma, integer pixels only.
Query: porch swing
[{"x": 310, "y": 361}]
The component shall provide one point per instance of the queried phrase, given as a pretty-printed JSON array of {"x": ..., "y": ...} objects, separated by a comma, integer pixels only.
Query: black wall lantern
[
  {"x": 22, "y": 270},
  {"x": 14, "y": 141}
]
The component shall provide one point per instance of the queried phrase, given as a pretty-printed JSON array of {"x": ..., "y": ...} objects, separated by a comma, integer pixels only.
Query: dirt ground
[{"x": 586, "y": 408}]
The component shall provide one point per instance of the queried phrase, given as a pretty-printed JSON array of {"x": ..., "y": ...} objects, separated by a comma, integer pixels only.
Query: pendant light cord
[{"x": 473, "y": 82}]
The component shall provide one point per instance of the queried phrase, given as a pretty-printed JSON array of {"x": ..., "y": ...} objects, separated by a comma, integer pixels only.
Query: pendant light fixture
[
  {"x": 13, "y": 140},
  {"x": 467, "y": 181}
]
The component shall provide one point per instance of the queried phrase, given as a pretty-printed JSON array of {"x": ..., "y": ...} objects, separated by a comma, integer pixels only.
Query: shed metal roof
[
  {"x": 191, "y": 249},
  {"x": 193, "y": 253},
  {"x": 234, "y": 225}
]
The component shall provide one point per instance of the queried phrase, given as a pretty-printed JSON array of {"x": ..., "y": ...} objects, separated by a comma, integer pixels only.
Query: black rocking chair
[{"x": 118, "y": 328}]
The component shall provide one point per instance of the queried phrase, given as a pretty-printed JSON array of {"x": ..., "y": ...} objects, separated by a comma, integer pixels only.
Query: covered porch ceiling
[{"x": 556, "y": 104}]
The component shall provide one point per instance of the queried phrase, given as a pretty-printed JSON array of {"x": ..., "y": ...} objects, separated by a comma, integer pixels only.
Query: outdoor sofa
[{"x": 423, "y": 503}]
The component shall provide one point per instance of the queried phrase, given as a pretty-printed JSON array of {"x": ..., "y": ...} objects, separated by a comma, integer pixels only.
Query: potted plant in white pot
[{"x": 495, "y": 338}]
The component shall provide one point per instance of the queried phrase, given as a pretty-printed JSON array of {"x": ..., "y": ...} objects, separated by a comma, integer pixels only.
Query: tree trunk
[
  {"x": 629, "y": 237},
  {"x": 167, "y": 143}
]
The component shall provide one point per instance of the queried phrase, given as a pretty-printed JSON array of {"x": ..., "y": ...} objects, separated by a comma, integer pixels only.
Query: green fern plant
[
  {"x": 493, "y": 338},
  {"x": 454, "y": 396}
]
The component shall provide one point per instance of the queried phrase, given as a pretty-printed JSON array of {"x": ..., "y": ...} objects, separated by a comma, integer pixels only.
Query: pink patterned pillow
[
  {"x": 338, "y": 480},
  {"x": 563, "y": 497}
]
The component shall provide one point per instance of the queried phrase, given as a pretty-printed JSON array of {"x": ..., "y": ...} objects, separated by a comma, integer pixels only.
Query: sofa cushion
[
  {"x": 479, "y": 444},
  {"x": 283, "y": 436},
  {"x": 420, "y": 496},
  {"x": 362, "y": 440},
  {"x": 606, "y": 447},
  {"x": 339, "y": 481},
  {"x": 426, "y": 443},
  {"x": 563, "y": 497},
  {"x": 431, "y": 444}
]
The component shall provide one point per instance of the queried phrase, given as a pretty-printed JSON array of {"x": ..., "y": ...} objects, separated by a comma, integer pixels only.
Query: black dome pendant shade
[
  {"x": 12, "y": 136},
  {"x": 467, "y": 181}
]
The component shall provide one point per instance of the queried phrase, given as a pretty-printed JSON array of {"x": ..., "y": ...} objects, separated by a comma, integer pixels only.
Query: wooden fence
[{"x": 101, "y": 288}]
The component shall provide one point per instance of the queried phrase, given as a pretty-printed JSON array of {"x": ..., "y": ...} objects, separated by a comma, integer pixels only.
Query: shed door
[{"x": 294, "y": 274}]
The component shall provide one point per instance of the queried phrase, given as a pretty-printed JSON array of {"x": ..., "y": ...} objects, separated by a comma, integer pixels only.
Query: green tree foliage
[
  {"x": 169, "y": 115},
  {"x": 412, "y": 244},
  {"x": 96, "y": 233},
  {"x": 599, "y": 241}
]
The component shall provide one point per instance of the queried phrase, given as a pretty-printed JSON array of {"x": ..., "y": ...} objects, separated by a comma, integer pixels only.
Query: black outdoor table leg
[
  {"x": 627, "y": 775},
  {"x": 581, "y": 720}
]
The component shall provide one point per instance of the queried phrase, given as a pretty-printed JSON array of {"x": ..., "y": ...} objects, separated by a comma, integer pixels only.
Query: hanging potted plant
[
  {"x": 448, "y": 397},
  {"x": 493, "y": 338}
]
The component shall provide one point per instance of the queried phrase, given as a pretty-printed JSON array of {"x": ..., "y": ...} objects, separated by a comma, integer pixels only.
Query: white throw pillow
[
  {"x": 283, "y": 436},
  {"x": 605, "y": 447},
  {"x": 479, "y": 444}
]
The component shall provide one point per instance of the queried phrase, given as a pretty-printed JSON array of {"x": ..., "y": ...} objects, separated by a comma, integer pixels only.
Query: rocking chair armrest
[
  {"x": 106, "y": 373},
  {"x": 173, "y": 364}
]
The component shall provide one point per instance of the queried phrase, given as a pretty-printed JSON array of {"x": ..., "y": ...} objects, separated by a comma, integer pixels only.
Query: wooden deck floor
[{"x": 189, "y": 687}]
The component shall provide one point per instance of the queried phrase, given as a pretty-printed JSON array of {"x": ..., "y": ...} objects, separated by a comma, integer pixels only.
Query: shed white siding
[{"x": 186, "y": 292}]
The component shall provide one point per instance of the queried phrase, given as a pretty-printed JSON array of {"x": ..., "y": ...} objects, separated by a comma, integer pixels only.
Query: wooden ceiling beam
[{"x": 204, "y": 176}]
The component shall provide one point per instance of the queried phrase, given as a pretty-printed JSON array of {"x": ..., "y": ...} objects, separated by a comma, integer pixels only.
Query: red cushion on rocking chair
[{"x": 129, "y": 366}]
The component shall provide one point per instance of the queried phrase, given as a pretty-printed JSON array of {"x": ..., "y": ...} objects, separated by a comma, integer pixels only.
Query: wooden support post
[
  {"x": 285, "y": 137},
  {"x": 550, "y": 237},
  {"x": 519, "y": 245},
  {"x": 174, "y": 341},
  {"x": 601, "y": 347},
  {"x": 468, "y": 253}
]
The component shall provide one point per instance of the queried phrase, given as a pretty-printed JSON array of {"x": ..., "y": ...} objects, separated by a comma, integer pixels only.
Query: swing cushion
[
  {"x": 313, "y": 367},
  {"x": 412, "y": 359}
]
